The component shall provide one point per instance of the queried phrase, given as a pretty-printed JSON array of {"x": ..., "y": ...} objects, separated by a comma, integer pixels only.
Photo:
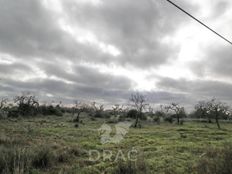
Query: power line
[{"x": 199, "y": 21}]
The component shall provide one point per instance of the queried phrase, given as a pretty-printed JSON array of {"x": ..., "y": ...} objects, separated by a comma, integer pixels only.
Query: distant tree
[
  {"x": 160, "y": 113},
  {"x": 117, "y": 109},
  {"x": 212, "y": 109},
  {"x": 150, "y": 111},
  {"x": 27, "y": 104},
  {"x": 179, "y": 112},
  {"x": 97, "y": 109},
  {"x": 139, "y": 104},
  {"x": 79, "y": 108},
  {"x": 201, "y": 110},
  {"x": 217, "y": 110}
]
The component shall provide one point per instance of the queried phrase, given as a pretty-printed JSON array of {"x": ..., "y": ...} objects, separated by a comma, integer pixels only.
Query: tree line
[{"x": 27, "y": 105}]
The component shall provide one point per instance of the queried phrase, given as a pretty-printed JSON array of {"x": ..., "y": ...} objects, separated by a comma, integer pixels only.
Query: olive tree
[
  {"x": 139, "y": 103},
  {"x": 202, "y": 110},
  {"x": 217, "y": 110},
  {"x": 213, "y": 109},
  {"x": 179, "y": 111}
]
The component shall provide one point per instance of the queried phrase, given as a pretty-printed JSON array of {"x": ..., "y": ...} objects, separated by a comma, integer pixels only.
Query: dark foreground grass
[{"x": 55, "y": 145}]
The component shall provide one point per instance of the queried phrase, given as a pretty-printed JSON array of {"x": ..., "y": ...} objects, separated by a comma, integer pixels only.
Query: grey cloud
[
  {"x": 135, "y": 27},
  {"x": 29, "y": 31},
  {"x": 66, "y": 92},
  {"x": 198, "y": 90},
  {"x": 88, "y": 76},
  {"x": 14, "y": 68},
  {"x": 87, "y": 83},
  {"x": 218, "y": 61},
  {"x": 219, "y": 8},
  {"x": 215, "y": 63}
]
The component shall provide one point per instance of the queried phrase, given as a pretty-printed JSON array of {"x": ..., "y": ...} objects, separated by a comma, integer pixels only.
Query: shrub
[
  {"x": 168, "y": 119},
  {"x": 13, "y": 112},
  {"x": 50, "y": 110},
  {"x": 122, "y": 118},
  {"x": 132, "y": 113},
  {"x": 156, "y": 119},
  {"x": 98, "y": 114}
]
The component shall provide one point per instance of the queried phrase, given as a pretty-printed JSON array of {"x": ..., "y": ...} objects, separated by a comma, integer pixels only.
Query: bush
[
  {"x": 216, "y": 161},
  {"x": 132, "y": 113},
  {"x": 156, "y": 119},
  {"x": 13, "y": 112},
  {"x": 168, "y": 119},
  {"x": 98, "y": 114},
  {"x": 50, "y": 110}
]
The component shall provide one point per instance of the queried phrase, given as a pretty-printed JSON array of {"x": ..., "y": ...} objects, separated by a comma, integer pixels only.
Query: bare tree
[
  {"x": 138, "y": 101},
  {"x": 177, "y": 109},
  {"x": 79, "y": 108}
]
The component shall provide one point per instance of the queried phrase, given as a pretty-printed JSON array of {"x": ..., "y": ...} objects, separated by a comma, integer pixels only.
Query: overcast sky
[{"x": 103, "y": 50}]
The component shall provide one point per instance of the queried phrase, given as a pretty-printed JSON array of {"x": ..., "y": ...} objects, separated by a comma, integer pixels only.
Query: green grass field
[{"x": 164, "y": 148}]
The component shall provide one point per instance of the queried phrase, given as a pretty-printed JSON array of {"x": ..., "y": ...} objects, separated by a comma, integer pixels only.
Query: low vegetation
[{"x": 39, "y": 138}]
